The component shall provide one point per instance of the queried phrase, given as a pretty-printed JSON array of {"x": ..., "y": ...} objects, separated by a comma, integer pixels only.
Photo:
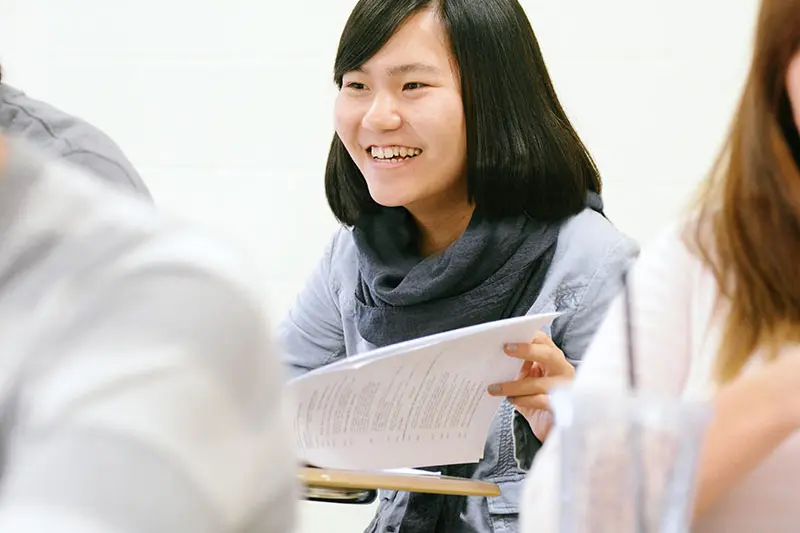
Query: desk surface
[{"x": 351, "y": 479}]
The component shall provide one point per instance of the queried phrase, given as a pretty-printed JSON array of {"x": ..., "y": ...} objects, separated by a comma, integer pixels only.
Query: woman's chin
[{"x": 386, "y": 198}]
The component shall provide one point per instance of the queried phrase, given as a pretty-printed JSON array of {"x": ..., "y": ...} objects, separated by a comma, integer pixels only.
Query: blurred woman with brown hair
[{"x": 716, "y": 311}]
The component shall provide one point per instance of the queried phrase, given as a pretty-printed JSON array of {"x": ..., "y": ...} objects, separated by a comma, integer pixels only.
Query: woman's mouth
[{"x": 393, "y": 154}]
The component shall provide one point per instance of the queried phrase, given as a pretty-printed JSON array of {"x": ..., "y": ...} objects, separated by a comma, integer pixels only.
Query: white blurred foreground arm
[{"x": 138, "y": 388}]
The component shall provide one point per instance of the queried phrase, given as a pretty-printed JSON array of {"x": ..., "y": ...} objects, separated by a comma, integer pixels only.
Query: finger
[
  {"x": 543, "y": 338},
  {"x": 526, "y": 369},
  {"x": 526, "y": 387},
  {"x": 551, "y": 358},
  {"x": 537, "y": 370},
  {"x": 537, "y": 353},
  {"x": 540, "y": 402}
]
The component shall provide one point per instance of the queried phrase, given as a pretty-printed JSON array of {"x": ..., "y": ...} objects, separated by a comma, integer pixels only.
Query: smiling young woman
[{"x": 465, "y": 197}]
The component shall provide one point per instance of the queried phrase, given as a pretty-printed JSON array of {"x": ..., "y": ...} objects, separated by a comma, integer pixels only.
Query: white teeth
[{"x": 390, "y": 152}]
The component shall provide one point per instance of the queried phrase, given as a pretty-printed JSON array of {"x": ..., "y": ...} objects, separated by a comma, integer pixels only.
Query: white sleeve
[
  {"x": 154, "y": 407},
  {"x": 150, "y": 396},
  {"x": 661, "y": 284}
]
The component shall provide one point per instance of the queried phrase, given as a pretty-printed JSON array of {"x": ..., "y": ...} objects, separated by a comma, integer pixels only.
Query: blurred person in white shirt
[{"x": 138, "y": 387}]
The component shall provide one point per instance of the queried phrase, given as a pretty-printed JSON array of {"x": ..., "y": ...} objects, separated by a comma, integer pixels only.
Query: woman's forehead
[{"x": 419, "y": 44}]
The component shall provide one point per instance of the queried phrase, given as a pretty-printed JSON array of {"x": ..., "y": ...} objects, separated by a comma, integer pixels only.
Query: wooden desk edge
[{"x": 351, "y": 479}]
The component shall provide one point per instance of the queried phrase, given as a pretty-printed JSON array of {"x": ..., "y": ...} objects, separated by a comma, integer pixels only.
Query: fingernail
[
  {"x": 511, "y": 348},
  {"x": 495, "y": 389}
]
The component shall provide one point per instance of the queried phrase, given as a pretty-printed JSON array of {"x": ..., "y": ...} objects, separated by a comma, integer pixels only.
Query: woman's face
[
  {"x": 793, "y": 87},
  {"x": 401, "y": 119}
]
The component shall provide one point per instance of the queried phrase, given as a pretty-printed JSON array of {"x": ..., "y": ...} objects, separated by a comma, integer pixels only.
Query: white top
[
  {"x": 138, "y": 388},
  {"x": 673, "y": 296}
]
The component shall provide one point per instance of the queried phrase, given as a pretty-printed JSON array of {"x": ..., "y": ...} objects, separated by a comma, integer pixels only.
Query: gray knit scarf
[{"x": 495, "y": 270}]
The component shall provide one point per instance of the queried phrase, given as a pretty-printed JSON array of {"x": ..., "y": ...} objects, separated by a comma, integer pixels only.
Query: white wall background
[{"x": 226, "y": 109}]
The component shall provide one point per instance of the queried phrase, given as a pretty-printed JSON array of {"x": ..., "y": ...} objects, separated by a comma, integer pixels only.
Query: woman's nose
[{"x": 382, "y": 115}]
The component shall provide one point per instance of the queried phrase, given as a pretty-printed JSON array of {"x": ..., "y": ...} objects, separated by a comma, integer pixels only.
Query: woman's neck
[{"x": 439, "y": 228}]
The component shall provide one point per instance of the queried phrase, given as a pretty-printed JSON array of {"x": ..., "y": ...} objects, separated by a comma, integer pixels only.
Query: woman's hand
[{"x": 544, "y": 366}]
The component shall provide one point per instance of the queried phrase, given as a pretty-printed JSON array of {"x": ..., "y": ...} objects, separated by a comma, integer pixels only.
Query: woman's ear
[{"x": 793, "y": 87}]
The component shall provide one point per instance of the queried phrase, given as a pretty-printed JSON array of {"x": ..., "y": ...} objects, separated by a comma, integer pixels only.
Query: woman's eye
[{"x": 413, "y": 85}]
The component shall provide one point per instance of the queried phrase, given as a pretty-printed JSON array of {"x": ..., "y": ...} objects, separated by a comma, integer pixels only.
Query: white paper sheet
[{"x": 418, "y": 403}]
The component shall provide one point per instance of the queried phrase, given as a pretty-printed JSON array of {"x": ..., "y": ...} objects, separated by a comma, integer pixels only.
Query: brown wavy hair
[{"x": 748, "y": 230}]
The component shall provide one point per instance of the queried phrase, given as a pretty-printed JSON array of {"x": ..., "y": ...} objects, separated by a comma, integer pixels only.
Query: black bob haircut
[{"x": 523, "y": 155}]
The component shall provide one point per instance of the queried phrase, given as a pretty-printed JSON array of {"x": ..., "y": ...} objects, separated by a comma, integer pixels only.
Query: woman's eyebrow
[{"x": 405, "y": 68}]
